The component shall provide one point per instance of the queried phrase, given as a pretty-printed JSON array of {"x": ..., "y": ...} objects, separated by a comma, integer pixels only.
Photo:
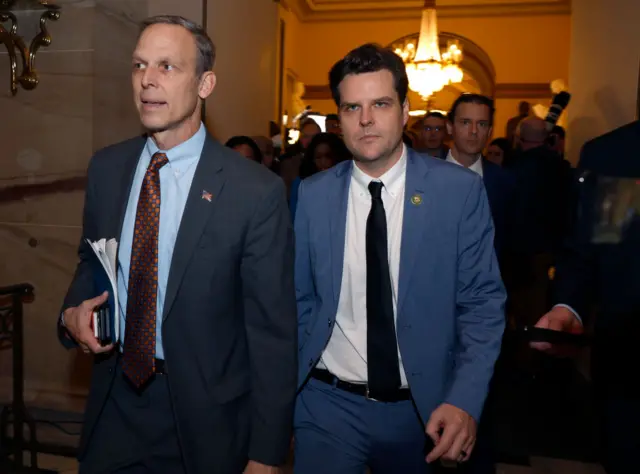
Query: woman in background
[
  {"x": 324, "y": 151},
  {"x": 499, "y": 151},
  {"x": 246, "y": 147}
]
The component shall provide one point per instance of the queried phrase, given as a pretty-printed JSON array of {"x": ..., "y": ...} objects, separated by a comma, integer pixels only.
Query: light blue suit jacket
[{"x": 450, "y": 315}]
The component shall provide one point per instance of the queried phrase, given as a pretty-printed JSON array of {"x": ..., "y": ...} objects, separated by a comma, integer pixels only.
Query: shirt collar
[
  {"x": 393, "y": 179},
  {"x": 476, "y": 166},
  {"x": 192, "y": 148}
]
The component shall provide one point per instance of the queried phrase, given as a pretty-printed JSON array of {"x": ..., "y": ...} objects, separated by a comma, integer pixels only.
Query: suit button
[
  {"x": 311, "y": 363},
  {"x": 330, "y": 323}
]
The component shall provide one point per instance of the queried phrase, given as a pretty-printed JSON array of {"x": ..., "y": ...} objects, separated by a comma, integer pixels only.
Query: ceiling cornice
[
  {"x": 300, "y": 8},
  {"x": 310, "y": 11}
]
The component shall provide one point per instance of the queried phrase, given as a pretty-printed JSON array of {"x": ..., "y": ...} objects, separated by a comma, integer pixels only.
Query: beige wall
[
  {"x": 605, "y": 52},
  {"x": 245, "y": 33}
]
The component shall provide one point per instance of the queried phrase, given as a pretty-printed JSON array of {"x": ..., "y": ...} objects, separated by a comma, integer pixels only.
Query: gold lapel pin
[{"x": 416, "y": 199}]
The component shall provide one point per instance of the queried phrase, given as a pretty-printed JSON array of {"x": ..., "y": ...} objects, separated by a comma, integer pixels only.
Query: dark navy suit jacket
[{"x": 500, "y": 187}]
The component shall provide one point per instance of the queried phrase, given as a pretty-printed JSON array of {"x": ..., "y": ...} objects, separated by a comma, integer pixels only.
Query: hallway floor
[
  {"x": 538, "y": 466},
  {"x": 539, "y": 413}
]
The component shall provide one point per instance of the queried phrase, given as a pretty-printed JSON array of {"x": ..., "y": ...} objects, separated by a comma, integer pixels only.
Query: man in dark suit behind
[
  {"x": 202, "y": 378},
  {"x": 607, "y": 275},
  {"x": 470, "y": 122}
]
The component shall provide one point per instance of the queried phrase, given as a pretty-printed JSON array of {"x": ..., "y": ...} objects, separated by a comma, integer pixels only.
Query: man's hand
[
  {"x": 458, "y": 434},
  {"x": 256, "y": 468},
  {"x": 558, "y": 319},
  {"x": 77, "y": 321}
]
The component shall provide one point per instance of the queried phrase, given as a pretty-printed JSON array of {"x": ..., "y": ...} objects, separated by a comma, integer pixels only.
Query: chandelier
[{"x": 428, "y": 69}]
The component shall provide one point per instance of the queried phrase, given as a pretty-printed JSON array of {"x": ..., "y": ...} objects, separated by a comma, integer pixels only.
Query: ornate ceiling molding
[{"x": 367, "y": 10}]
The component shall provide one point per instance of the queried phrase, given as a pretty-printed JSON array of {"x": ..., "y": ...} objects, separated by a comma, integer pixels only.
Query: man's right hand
[
  {"x": 77, "y": 321},
  {"x": 558, "y": 319}
]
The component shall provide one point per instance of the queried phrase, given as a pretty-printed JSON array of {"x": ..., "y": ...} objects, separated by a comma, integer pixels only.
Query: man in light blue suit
[{"x": 400, "y": 301}]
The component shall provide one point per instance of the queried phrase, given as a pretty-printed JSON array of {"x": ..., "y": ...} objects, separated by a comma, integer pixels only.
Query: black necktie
[{"x": 382, "y": 348}]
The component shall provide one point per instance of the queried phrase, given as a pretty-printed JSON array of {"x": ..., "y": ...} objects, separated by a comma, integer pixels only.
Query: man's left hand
[
  {"x": 453, "y": 432},
  {"x": 256, "y": 468}
]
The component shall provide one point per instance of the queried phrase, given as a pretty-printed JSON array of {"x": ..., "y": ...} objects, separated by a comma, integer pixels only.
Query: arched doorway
[{"x": 479, "y": 72}]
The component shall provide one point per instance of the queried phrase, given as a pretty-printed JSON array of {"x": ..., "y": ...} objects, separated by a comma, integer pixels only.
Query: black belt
[
  {"x": 399, "y": 395},
  {"x": 161, "y": 368}
]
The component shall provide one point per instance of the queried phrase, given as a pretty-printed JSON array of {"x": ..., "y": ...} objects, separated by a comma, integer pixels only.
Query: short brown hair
[
  {"x": 206, "y": 54},
  {"x": 367, "y": 58},
  {"x": 467, "y": 98}
]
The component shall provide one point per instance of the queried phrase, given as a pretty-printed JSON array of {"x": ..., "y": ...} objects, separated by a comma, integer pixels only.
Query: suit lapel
[
  {"x": 125, "y": 183},
  {"x": 417, "y": 209},
  {"x": 337, "y": 207},
  {"x": 208, "y": 177},
  {"x": 488, "y": 175},
  {"x": 490, "y": 178}
]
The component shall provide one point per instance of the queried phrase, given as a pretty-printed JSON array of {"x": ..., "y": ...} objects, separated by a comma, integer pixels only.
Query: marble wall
[{"x": 47, "y": 135}]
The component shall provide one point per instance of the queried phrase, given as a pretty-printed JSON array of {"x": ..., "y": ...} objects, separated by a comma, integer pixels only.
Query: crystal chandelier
[{"x": 428, "y": 69}]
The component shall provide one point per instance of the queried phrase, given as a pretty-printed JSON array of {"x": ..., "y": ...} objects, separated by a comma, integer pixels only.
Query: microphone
[{"x": 560, "y": 102}]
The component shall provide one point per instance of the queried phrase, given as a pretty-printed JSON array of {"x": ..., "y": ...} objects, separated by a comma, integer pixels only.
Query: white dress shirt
[
  {"x": 346, "y": 353},
  {"x": 476, "y": 166}
]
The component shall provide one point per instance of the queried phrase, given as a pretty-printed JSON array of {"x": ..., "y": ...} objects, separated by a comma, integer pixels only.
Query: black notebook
[{"x": 106, "y": 320}]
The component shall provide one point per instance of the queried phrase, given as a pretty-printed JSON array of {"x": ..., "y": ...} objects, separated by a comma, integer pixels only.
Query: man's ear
[
  {"x": 207, "y": 84},
  {"x": 405, "y": 111}
]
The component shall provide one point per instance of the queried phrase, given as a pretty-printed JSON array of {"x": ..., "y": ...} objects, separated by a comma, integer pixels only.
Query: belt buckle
[{"x": 368, "y": 396}]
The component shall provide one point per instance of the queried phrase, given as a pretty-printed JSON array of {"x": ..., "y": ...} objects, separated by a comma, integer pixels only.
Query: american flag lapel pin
[{"x": 207, "y": 196}]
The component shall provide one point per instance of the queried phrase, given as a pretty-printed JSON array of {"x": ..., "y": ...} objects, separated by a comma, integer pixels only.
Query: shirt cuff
[
  {"x": 62, "y": 320},
  {"x": 575, "y": 313}
]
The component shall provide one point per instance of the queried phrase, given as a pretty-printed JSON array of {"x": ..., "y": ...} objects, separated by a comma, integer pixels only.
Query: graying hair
[{"x": 206, "y": 56}]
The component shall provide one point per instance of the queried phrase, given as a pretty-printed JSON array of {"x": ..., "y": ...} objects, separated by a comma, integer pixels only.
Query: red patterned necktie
[{"x": 138, "y": 362}]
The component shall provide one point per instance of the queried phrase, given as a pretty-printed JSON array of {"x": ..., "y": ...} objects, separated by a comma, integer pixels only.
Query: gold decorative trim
[
  {"x": 309, "y": 11},
  {"x": 13, "y": 42},
  {"x": 538, "y": 90}
]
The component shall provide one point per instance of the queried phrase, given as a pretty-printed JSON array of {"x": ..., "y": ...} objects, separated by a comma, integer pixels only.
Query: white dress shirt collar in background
[{"x": 476, "y": 166}]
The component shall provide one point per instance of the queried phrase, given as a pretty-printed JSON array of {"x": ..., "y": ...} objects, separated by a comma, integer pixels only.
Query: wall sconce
[{"x": 10, "y": 11}]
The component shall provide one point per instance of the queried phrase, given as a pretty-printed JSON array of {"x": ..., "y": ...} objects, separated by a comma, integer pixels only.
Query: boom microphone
[{"x": 560, "y": 102}]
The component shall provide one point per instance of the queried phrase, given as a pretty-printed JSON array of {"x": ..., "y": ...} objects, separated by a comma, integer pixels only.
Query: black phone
[
  {"x": 102, "y": 327},
  {"x": 535, "y": 334}
]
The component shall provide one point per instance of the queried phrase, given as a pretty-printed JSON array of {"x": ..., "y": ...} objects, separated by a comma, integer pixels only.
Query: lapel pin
[
  {"x": 416, "y": 199},
  {"x": 207, "y": 196}
]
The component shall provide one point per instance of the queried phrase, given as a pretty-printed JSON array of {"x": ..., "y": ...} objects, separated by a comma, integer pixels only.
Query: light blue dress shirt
[{"x": 175, "y": 181}]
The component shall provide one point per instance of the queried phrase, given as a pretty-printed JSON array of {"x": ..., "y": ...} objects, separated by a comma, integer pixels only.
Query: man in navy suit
[
  {"x": 470, "y": 122},
  {"x": 202, "y": 378},
  {"x": 400, "y": 300}
]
